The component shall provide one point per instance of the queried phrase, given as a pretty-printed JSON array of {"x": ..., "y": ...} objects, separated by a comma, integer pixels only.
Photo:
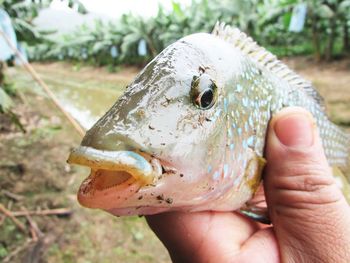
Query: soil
[
  {"x": 34, "y": 174},
  {"x": 33, "y": 168}
]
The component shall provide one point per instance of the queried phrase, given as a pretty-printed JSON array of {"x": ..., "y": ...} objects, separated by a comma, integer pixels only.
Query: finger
[
  {"x": 307, "y": 209},
  {"x": 260, "y": 248},
  {"x": 202, "y": 236}
]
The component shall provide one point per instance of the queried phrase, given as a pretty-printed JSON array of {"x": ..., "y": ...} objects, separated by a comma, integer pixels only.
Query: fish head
[{"x": 160, "y": 147}]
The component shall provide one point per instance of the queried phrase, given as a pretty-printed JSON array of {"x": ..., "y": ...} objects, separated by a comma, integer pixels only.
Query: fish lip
[
  {"x": 128, "y": 161},
  {"x": 116, "y": 196},
  {"x": 91, "y": 197}
]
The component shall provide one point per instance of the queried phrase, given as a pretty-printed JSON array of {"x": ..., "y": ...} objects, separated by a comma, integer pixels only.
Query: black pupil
[{"x": 207, "y": 98}]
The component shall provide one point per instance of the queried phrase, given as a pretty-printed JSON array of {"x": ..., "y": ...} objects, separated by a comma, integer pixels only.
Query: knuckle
[
  {"x": 306, "y": 176},
  {"x": 308, "y": 184}
]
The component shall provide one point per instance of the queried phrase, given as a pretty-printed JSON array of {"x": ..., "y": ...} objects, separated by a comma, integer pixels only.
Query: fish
[{"x": 189, "y": 132}]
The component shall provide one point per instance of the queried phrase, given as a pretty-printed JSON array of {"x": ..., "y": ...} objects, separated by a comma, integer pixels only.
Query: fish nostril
[
  {"x": 137, "y": 115},
  {"x": 141, "y": 113}
]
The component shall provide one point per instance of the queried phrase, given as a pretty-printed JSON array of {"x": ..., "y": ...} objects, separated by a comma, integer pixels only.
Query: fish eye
[
  {"x": 206, "y": 98},
  {"x": 203, "y": 91}
]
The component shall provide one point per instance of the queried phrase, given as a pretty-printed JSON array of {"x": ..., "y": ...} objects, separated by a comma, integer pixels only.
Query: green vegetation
[
  {"x": 326, "y": 31},
  {"x": 23, "y": 12},
  {"x": 329, "y": 22},
  {"x": 6, "y": 103},
  {"x": 135, "y": 40}
]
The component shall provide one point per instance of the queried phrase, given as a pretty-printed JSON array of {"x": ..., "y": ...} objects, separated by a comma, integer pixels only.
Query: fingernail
[{"x": 295, "y": 130}]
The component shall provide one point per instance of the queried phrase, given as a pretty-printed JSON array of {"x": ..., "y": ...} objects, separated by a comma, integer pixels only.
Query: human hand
[{"x": 310, "y": 216}]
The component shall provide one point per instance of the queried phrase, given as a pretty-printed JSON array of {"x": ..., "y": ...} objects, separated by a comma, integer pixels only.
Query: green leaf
[
  {"x": 325, "y": 11},
  {"x": 3, "y": 250},
  {"x": 286, "y": 19},
  {"x": 128, "y": 41},
  {"x": 344, "y": 7},
  {"x": 26, "y": 26},
  {"x": 5, "y": 101},
  {"x": 177, "y": 9},
  {"x": 16, "y": 121},
  {"x": 131, "y": 38},
  {"x": 100, "y": 46}
]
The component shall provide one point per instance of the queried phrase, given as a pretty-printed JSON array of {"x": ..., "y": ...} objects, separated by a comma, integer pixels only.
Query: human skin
[{"x": 310, "y": 217}]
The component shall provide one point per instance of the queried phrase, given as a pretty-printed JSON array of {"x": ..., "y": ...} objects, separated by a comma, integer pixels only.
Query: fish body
[{"x": 189, "y": 132}]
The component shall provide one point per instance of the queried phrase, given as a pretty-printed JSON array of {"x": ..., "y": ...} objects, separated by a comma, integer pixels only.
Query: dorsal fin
[{"x": 265, "y": 59}]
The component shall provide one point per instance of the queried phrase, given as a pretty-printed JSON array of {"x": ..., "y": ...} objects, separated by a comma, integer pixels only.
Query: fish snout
[
  {"x": 113, "y": 165},
  {"x": 116, "y": 176}
]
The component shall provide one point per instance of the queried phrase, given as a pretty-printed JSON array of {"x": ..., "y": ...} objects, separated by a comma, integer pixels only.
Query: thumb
[{"x": 310, "y": 215}]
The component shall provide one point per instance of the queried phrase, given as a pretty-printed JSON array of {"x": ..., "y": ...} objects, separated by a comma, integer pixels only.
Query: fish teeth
[
  {"x": 157, "y": 167},
  {"x": 169, "y": 170}
]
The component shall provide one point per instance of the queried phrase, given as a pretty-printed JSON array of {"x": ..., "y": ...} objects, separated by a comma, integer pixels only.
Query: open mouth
[
  {"x": 105, "y": 179},
  {"x": 112, "y": 163},
  {"x": 122, "y": 172}
]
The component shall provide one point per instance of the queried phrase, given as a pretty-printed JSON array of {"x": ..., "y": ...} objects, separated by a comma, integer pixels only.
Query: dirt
[
  {"x": 35, "y": 176},
  {"x": 332, "y": 80},
  {"x": 33, "y": 167}
]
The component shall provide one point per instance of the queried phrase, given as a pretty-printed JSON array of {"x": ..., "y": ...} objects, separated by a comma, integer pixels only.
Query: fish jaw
[
  {"x": 92, "y": 195},
  {"x": 134, "y": 183},
  {"x": 134, "y": 164},
  {"x": 115, "y": 176}
]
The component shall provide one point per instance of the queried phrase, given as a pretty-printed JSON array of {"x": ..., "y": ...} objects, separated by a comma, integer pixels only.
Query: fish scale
[
  {"x": 191, "y": 128},
  {"x": 291, "y": 90}
]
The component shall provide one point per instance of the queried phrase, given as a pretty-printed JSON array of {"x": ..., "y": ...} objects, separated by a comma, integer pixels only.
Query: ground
[{"x": 34, "y": 175}]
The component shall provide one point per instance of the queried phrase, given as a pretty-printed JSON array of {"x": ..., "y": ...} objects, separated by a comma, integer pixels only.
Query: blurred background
[{"x": 74, "y": 58}]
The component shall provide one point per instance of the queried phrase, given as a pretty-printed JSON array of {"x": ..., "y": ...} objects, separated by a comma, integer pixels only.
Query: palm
[{"x": 215, "y": 237}]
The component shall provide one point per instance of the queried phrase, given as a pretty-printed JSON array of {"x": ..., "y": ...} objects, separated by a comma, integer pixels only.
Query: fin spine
[{"x": 266, "y": 59}]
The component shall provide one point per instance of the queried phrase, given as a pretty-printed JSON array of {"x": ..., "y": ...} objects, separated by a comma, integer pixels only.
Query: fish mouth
[{"x": 113, "y": 172}]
